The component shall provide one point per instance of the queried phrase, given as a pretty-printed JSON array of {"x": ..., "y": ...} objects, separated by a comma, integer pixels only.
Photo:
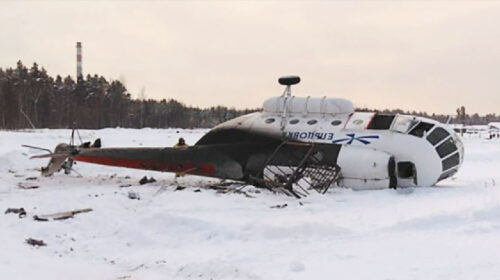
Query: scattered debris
[
  {"x": 35, "y": 242},
  {"x": 27, "y": 187},
  {"x": 137, "y": 267},
  {"x": 11, "y": 171},
  {"x": 31, "y": 178},
  {"x": 58, "y": 159},
  {"x": 184, "y": 173},
  {"x": 125, "y": 185},
  {"x": 126, "y": 177},
  {"x": 133, "y": 195},
  {"x": 228, "y": 187},
  {"x": 61, "y": 215},
  {"x": 197, "y": 190},
  {"x": 109, "y": 261},
  {"x": 20, "y": 211},
  {"x": 179, "y": 188},
  {"x": 18, "y": 175},
  {"x": 279, "y": 206},
  {"x": 145, "y": 180}
]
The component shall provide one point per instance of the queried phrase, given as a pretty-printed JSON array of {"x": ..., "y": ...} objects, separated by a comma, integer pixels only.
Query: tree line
[{"x": 30, "y": 98}]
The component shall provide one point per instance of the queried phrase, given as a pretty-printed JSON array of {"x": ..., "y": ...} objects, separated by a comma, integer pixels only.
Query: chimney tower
[{"x": 78, "y": 60}]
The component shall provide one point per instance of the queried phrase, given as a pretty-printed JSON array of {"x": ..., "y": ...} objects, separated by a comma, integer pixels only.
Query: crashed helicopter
[{"x": 298, "y": 144}]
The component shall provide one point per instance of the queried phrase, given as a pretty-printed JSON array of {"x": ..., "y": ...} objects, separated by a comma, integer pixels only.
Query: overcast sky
[{"x": 416, "y": 55}]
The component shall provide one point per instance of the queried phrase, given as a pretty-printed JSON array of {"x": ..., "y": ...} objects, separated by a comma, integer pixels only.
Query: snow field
[{"x": 451, "y": 231}]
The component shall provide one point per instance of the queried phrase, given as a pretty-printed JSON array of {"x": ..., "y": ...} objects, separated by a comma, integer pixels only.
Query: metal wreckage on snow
[{"x": 295, "y": 145}]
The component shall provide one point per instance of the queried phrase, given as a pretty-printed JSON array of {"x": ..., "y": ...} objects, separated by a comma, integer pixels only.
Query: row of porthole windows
[{"x": 309, "y": 122}]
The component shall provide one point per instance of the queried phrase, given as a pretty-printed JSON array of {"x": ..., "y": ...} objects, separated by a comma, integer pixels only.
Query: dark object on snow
[
  {"x": 97, "y": 143},
  {"x": 133, "y": 195},
  {"x": 228, "y": 188},
  {"x": 279, "y": 206},
  {"x": 29, "y": 187},
  {"x": 125, "y": 185},
  {"x": 20, "y": 211},
  {"x": 85, "y": 145},
  {"x": 197, "y": 190},
  {"x": 145, "y": 180},
  {"x": 35, "y": 242},
  {"x": 181, "y": 143},
  {"x": 60, "y": 215},
  {"x": 179, "y": 188},
  {"x": 31, "y": 178}
]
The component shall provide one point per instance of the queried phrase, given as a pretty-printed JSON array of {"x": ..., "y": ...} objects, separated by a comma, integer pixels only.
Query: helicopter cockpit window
[
  {"x": 420, "y": 129},
  {"x": 450, "y": 162},
  {"x": 270, "y": 120},
  {"x": 311, "y": 122},
  {"x": 294, "y": 121},
  {"x": 404, "y": 123},
  {"x": 446, "y": 148},
  {"x": 437, "y": 135},
  {"x": 381, "y": 122}
]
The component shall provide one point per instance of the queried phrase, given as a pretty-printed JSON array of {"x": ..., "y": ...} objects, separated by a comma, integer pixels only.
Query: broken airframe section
[
  {"x": 288, "y": 167},
  {"x": 60, "y": 215},
  {"x": 295, "y": 168}
]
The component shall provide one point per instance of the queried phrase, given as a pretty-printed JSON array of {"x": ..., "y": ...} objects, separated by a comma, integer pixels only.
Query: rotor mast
[{"x": 287, "y": 81}]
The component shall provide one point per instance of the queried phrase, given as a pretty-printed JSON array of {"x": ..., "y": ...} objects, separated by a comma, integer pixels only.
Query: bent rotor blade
[
  {"x": 37, "y": 148},
  {"x": 65, "y": 154}
]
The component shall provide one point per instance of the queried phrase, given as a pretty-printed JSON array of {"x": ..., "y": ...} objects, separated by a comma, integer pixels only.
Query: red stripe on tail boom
[{"x": 149, "y": 164}]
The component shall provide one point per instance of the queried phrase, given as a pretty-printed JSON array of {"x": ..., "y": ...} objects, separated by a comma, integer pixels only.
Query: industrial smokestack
[{"x": 78, "y": 60}]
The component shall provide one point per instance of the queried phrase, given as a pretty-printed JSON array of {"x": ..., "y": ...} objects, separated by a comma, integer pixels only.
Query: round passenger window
[
  {"x": 311, "y": 122},
  {"x": 270, "y": 120},
  {"x": 294, "y": 121},
  {"x": 336, "y": 122}
]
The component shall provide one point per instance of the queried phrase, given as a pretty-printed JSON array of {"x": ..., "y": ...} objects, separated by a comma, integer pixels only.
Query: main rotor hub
[{"x": 289, "y": 80}]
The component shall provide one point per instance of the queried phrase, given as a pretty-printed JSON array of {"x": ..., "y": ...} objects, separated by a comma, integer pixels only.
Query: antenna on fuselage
[{"x": 287, "y": 81}]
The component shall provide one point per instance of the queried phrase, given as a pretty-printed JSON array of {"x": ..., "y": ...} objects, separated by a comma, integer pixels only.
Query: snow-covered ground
[{"x": 451, "y": 231}]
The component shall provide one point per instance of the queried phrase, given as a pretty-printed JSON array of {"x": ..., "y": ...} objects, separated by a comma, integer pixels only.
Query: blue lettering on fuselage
[
  {"x": 302, "y": 135},
  {"x": 329, "y": 136}
]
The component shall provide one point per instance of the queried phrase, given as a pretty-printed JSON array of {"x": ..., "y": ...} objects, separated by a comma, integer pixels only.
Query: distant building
[
  {"x": 494, "y": 126},
  {"x": 471, "y": 129}
]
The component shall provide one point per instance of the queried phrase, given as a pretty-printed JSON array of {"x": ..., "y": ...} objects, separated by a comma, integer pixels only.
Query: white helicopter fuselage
[{"x": 378, "y": 151}]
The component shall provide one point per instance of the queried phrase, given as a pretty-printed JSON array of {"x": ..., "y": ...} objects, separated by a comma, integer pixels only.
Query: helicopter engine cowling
[{"x": 364, "y": 168}]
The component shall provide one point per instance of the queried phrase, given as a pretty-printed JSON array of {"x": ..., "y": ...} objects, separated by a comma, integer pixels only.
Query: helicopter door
[{"x": 406, "y": 171}]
